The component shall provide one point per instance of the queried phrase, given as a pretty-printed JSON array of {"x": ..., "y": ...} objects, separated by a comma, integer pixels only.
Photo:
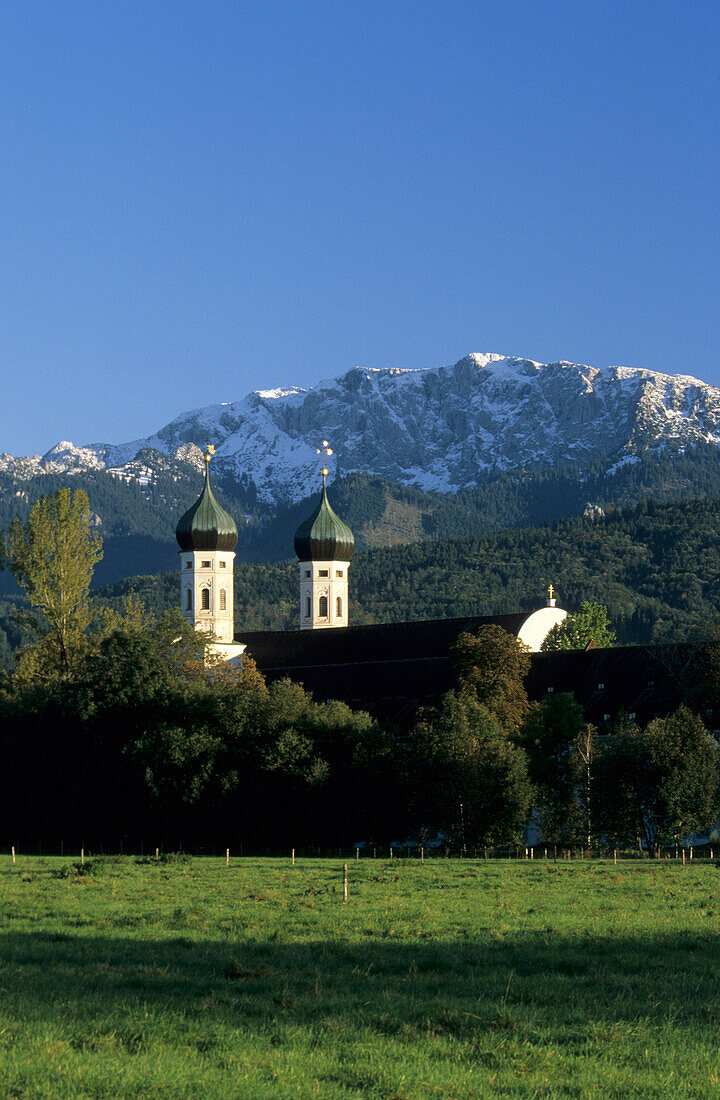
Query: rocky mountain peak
[{"x": 435, "y": 428}]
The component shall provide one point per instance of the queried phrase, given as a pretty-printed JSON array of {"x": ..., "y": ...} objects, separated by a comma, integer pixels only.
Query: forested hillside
[
  {"x": 137, "y": 517},
  {"x": 385, "y": 514},
  {"x": 656, "y": 567}
]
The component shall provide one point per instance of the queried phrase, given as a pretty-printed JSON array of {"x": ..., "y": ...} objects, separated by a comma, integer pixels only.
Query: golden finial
[
  {"x": 326, "y": 449},
  {"x": 209, "y": 452}
]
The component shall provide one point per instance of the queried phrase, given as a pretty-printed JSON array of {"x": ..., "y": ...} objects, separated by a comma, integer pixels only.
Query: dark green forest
[
  {"x": 122, "y": 725},
  {"x": 655, "y": 566},
  {"x": 137, "y": 520},
  {"x": 141, "y": 737},
  {"x": 422, "y": 555}
]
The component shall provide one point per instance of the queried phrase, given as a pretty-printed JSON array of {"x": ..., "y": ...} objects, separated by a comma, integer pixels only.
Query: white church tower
[
  {"x": 324, "y": 545},
  {"x": 207, "y": 536}
]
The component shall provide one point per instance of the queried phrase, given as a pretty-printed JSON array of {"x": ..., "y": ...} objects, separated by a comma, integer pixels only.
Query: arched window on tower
[
  {"x": 188, "y": 600},
  {"x": 307, "y": 607},
  {"x": 323, "y": 607},
  {"x": 205, "y": 599},
  {"x": 223, "y": 600},
  {"x": 338, "y": 607}
]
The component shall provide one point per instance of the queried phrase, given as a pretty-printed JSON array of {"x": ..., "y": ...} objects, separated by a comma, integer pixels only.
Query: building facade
[
  {"x": 207, "y": 536},
  {"x": 324, "y": 546}
]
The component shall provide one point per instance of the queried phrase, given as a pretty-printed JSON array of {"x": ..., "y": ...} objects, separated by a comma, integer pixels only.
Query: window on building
[
  {"x": 323, "y": 607},
  {"x": 307, "y": 607},
  {"x": 338, "y": 572},
  {"x": 631, "y": 715},
  {"x": 206, "y": 564},
  {"x": 205, "y": 599},
  {"x": 188, "y": 600},
  {"x": 223, "y": 600},
  {"x": 308, "y": 574},
  {"x": 338, "y": 607},
  {"x": 188, "y": 565},
  {"x": 222, "y": 564},
  {"x": 606, "y": 717},
  {"x": 550, "y": 690},
  {"x": 601, "y": 687},
  {"x": 323, "y": 572}
]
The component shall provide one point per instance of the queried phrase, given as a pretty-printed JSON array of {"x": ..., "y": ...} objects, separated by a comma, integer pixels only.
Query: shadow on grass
[{"x": 542, "y": 981}]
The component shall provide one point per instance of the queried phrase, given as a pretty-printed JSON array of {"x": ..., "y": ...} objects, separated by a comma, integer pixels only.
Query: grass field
[{"x": 449, "y": 979}]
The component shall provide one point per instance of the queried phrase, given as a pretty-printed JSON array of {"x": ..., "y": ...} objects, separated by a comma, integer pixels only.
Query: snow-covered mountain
[{"x": 432, "y": 428}]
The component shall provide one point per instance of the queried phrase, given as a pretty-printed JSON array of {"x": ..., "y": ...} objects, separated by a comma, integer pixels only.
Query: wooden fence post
[
  {"x": 345, "y": 882},
  {"x": 13, "y": 853}
]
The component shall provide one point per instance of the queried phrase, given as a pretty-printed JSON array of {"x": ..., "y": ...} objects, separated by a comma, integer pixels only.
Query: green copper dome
[
  {"x": 206, "y": 526},
  {"x": 323, "y": 536}
]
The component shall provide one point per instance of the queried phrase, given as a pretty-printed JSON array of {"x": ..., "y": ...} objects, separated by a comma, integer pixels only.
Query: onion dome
[
  {"x": 206, "y": 526},
  {"x": 323, "y": 536}
]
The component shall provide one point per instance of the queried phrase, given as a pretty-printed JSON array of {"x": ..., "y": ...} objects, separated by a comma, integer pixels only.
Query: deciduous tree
[
  {"x": 493, "y": 665},
  {"x": 52, "y": 556},
  {"x": 474, "y": 780},
  {"x": 550, "y": 737},
  {"x": 588, "y": 626},
  {"x": 683, "y": 761},
  {"x": 623, "y": 784}
]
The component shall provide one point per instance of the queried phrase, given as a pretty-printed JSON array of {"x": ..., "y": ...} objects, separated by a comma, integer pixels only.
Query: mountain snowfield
[{"x": 437, "y": 429}]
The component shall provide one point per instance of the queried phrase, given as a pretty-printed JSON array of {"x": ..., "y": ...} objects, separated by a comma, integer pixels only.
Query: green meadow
[{"x": 448, "y": 979}]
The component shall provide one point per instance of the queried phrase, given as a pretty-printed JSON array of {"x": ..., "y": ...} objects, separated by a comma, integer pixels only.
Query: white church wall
[
  {"x": 323, "y": 580},
  {"x": 209, "y": 572}
]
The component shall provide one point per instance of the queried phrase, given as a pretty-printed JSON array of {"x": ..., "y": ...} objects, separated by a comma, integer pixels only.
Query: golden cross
[
  {"x": 550, "y": 591},
  {"x": 209, "y": 452}
]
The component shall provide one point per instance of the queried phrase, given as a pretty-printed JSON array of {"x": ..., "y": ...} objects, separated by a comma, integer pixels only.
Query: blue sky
[{"x": 203, "y": 198}]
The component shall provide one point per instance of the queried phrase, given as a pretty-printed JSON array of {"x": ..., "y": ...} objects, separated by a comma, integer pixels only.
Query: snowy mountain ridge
[{"x": 436, "y": 429}]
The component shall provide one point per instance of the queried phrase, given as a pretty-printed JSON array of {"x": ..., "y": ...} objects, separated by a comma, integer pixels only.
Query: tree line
[{"x": 117, "y": 726}]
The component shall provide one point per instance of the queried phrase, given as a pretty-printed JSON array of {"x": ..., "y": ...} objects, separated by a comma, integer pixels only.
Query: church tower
[
  {"x": 324, "y": 545},
  {"x": 207, "y": 536}
]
